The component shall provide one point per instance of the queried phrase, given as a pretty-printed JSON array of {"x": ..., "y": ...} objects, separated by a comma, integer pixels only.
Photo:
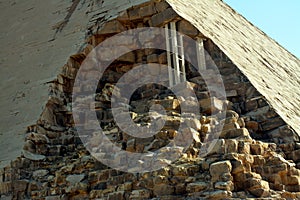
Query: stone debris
[{"x": 256, "y": 154}]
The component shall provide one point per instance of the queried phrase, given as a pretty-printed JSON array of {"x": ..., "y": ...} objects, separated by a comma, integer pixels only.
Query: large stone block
[
  {"x": 293, "y": 180},
  {"x": 244, "y": 147},
  {"x": 256, "y": 149},
  {"x": 32, "y": 156},
  {"x": 140, "y": 194},
  {"x": 169, "y": 104},
  {"x": 285, "y": 134},
  {"x": 252, "y": 126},
  {"x": 238, "y": 167},
  {"x": 111, "y": 27},
  {"x": 296, "y": 155},
  {"x": 128, "y": 57},
  {"x": 161, "y": 6},
  {"x": 229, "y": 186},
  {"x": 257, "y": 187},
  {"x": 212, "y": 105},
  {"x": 251, "y": 105},
  {"x": 40, "y": 173},
  {"x": 231, "y": 146},
  {"x": 73, "y": 179},
  {"x": 216, "y": 147},
  {"x": 147, "y": 10},
  {"x": 292, "y": 188},
  {"x": 37, "y": 138},
  {"x": 196, "y": 187},
  {"x": 271, "y": 124},
  {"x": 163, "y": 189},
  {"x": 219, "y": 168},
  {"x": 192, "y": 123},
  {"x": 218, "y": 194},
  {"x": 235, "y": 133},
  {"x": 163, "y": 17},
  {"x": 187, "y": 28},
  {"x": 258, "y": 159},
  {"x": 230, "y": 126}
]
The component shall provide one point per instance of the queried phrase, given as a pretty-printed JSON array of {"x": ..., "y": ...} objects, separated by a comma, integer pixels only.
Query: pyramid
[{"x": 229, "y": 95}]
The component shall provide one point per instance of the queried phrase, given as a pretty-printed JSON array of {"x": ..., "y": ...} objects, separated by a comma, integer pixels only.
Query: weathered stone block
[
  {"x": 216, "y": 147},
  {"x": 192, "y": 123},
  {"x": 180, "y": 189},
  {"x": 218, "y": 194},
  {"x": 29, "y": 146},
  {"x": 257, "y": 187},
  {"x": 292, "y": 188},
  {"x": 128, "y": 57},
  {"x": 73, "y": 179},
  {"x": 285, "y": 133},
  {"x": 140, "y": 194},
  {"x": 32, "y": 156},
  {"x": 196, "y": 187},
  {"x": 37, "y": 138},
  {"x": 259, "y": 160},
  {"x": 256, "y": 149},
  {"x": 296, "y": 155},
  {"x": 231, "y": 93},
  {"x": 133, "y": 13},
  {"x": 212, "y": 105},
  {"x": 271, "y": 124},
  {"x": 147, "y": 10},
  {"x": 241, "y": 122},
  {"x": 162, "y": 58},
  {"x": 161, "y": 6},
  {"x": 219, "y": 168},
  {"x": 169, "y": 104},
  {"x": 230, "y": 126},
  {"x": 224, "y": 185},
  {"x": 226, "y": 177},
  {"x": 235, "y": 133},
  {"x": 77, "y": 188},
  {"x": 252, "y": 125},
  {"x": 231, "y": 146},
  {"x": 112, "y": 27},
  {"x": 163, "y": 189},
  {"x": 231, "y": 117},
  {"x": 125, "y": 187},
  {"x": 160, "y": 180},
  {"x": 251, "y": 105},
  {"x": 153, "y": 58},
  {"x": 293, "y": 180},
  {"x": 40, "y": 173},
  {"x": 244, "y": 147},
  {"x": 237, "y": 167},
  {"x": 187, "y": 28},
  {"x": 273, "y": 169},
  {"x": 163, "y": 17}
]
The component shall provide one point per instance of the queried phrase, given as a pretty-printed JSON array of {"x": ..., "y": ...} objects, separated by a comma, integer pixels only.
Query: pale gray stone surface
[{"x": 30, "y": 57}]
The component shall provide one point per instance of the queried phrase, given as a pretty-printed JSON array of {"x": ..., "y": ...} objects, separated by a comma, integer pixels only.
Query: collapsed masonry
[{"x": 256, "y": 156}]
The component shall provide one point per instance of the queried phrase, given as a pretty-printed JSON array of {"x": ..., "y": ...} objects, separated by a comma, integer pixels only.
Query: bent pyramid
[{"x": 256, "y": 153}]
